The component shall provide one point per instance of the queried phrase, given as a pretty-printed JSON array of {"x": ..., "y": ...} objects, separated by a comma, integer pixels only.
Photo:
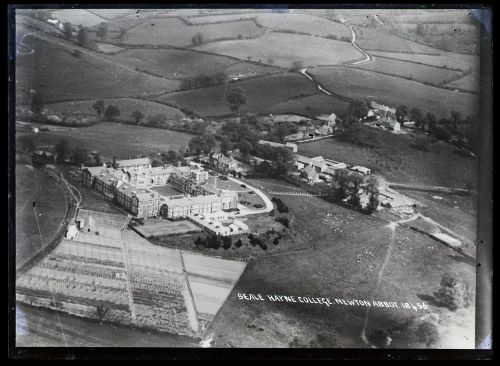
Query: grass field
[
  {"x": 117, "y": 139},
  {"x": 207, "y": 19},
  {"x": 33, "y": 185},
  {"x": 408, "y": 70},
  {"x": 126, "y": 105},
  {"x": 311, "y": 106},
  {"x": 87, "y": 76},
  {"x": 394, "y": 91},
  {"x": 468, "y": 82},
  {"x": 173, "y": 31},
  {"x": 167, "y": 190},
  {"x": 260, "y": 94},
  {"x": 176, "y": 63},
  {"x": 332, "y": 270},
  {"x": 78, "y": 17},
  {"x": 397, "y": 161},
  {"x": 445, "y": 59},
  {"x": 282, "y": 49},
  {"x": 304, "y": 23},
  {"x": 165, "y": 227},
  {"x": 371, "y": 39}
]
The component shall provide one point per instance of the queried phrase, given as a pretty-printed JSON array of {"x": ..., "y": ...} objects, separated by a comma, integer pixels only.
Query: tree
[
  {"x": 102, "y": 31},
  {"x": 236, "y": 98},
  {"x": 401, "y": 113},
  {"x": 79, "y": 156},
  {"x": 36, "y": 103},
  {"x": 456, "y": 118},
  {"x": 67, "y": 30},
  {"x": 137, "y": 116},
  {"x": 355, "y": 181},
  {"x": 225, "y": 145},
  {"x": 197, "y": 39},
  {"x": 226, "y": 242},
  {"x": 379, "y": 338},
  {"x": 123, "y": 31},
  {"x": 62, "y": 149},
  {"x": 112, "y": 112},
  {"x": 358, "y": 109},
  {"x": 371, "y": 188},
  {"x": 210, "y": 141},
  {"x": 197, "y": 145},
  {"x": 431, "y": 121},
  {"x": 82, "y": 37},
  {"x": 342, "y": 183},
  {"x": 238, "y": 243},
  {"x": 427, "y": 333},
  {"x": 454, "y": 291},
  {"x": 417, "y": 116},
  {"x": 99, "y": 107},
  {"x": 245, "y": 147},
  {"x": 420, "y": 29}
]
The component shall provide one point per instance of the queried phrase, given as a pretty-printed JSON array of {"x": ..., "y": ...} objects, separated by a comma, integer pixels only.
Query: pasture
[
  {"x": 397, "y": 161},
  {"x": 349, "y": 249},
  {"x": 444, "y": 59},
  {"x": 33, "y": 185},
  {"x": 82, "y": 17},
  {"x": 394, "y": 91},
  {"x": 176, "y": 63},
  {"x": 468, "y": 82},
  {"x": 117, "y": 139},
  {"x": 282, "y": 49},
  {"x": 371, "y": 39},
  {"x": 310, "y": 106},
  {"x": 260, "y": 93},
  {"x": 303, "y": 23},
  {"x": 408, "y": 70},
  {"x": 173, "y": 31},
  {"x": 126, "y": 105},
  {"x": 87, "y": 75}
]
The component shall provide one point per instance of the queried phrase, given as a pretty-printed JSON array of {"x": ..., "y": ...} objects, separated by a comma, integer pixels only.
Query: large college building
[{"x": 128, "y": 183}]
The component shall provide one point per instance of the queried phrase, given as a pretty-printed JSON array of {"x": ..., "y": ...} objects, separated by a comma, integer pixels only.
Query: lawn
[
  {"x": 114, "y": 139},
  {"x": 397, "y": 161},
  {"x": 394, "y": 91},
  {"x": 58, "y": 75},
  {"x": 303, "y": 23},
  {"x": 33, "y": 185},
  {"x": 282, "y": 49},
  {"x": 167, "y": 190},
  {"x": 444, "y": 59},
  {"x": 260, "y": 94},
  {"x": 173, "y": 31},
  {"x": 409, "y": 70},
  {"x": 175, "y": 63},
  {"x": 126, "y": 106},
  {"x": 333, "y": 270}
]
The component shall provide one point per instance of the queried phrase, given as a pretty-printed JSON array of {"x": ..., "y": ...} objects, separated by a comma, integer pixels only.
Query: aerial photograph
[{"x": 267, "y": 177}]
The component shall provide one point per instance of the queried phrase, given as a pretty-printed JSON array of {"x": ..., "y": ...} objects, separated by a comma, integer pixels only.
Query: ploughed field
[
  {"x": 33, "y": 185},
  {"x": 110, "y": 274}
]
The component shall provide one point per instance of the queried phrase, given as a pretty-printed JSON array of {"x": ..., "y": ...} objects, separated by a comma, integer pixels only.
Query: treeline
[{"x": 203, "y": 81}]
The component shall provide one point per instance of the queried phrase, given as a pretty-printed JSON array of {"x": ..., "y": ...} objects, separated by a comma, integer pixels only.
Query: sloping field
[
  {"x": 391, "y": 90},
  {"x": 112, "y": 13},
  {"x": 173, "y": 31},
  {"x": 350, "y": 249},
  {"x": 33, "y": 185},
  {"x": 118, "y": 139},
  {"x": 78, "y": 17},
  {"x": 126, "y": 106},
  {"x": 468, "y": 82},
  {"x": 175, "y": 63},
  {"x": 310, "y": 106},
  {"x": 208, "y": 19},
  {"x": 370, "y": 39},
  {"x": 260, "y": 93},
  {"x": 444, "y": 59},
  {"x": 283, "y": 49},
  {"x": 59, "y": 75},
  {"x": 303, "y": 23},
  {"x": 408, "y": 70}
]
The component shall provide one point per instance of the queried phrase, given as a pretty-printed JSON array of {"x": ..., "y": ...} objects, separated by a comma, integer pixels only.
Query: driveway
[{"x": 244, "y": 211}]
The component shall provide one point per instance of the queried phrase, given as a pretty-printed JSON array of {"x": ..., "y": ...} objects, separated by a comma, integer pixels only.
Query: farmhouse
[
  {"x": 222, "y": 163},
  {"x": 360, "y": 169},
  {"x": 318, "y": 163},
  {"x": 389, "y": 124},
  {"x": 310, "y": 174},
  {"x": 381, "y": 110}
]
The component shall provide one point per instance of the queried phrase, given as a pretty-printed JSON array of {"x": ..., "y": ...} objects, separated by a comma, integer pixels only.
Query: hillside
[{"x": 61, "y": 71}]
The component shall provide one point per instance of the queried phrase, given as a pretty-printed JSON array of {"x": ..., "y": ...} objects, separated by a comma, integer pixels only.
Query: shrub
[
  {"x": 427, "y": 333},
  {"x": 454, "y": 292}
]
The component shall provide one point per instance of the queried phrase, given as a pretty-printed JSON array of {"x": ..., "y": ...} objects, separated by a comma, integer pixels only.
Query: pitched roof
[{"x": 132, "y": 162}]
